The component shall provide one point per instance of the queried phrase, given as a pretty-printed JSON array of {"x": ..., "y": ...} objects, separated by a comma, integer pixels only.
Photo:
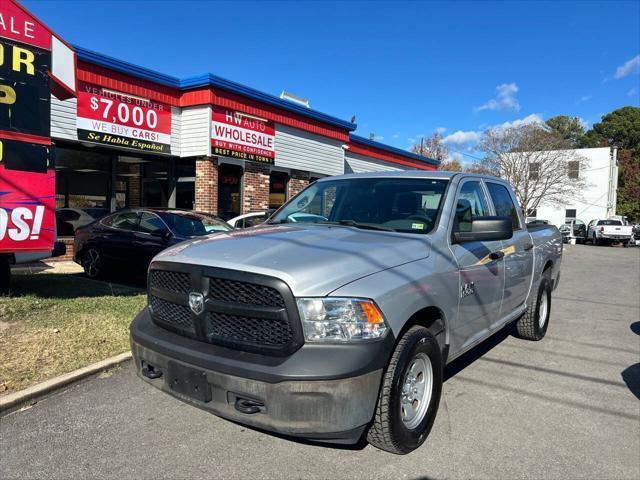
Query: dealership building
[{"x": 135, "y": 137}]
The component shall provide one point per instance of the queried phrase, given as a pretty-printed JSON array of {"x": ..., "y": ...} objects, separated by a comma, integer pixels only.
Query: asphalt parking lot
[{"x": 567, "y": 407}]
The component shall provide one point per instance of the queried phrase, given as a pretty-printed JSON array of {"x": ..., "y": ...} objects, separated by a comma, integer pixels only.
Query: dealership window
[
  {"x": 534, "y": 171},
  {"x": 573, "y": 169},
  {"x": 229, "y": 190},
  {"x": 277, "y": 189},
  {"x": 570, "y": 214},
  {"x": 186, "y": 183},
  {"x": 83, "y": 178}
]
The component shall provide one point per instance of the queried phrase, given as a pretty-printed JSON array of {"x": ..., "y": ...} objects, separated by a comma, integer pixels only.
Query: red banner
[
  {"x": 27, "y": 210},
  {"x": 239, "y": 135},
  {"x": 122, "y": 120},
  {"x": 17, "y": 24}
]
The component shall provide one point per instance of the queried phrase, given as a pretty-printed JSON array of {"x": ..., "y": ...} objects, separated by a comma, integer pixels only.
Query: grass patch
[{"x": 55, "y": 323}]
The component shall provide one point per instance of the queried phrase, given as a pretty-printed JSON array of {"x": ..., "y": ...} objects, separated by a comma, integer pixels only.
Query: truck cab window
[
  {"x": 471, "y": 202},
  {"x": 503, "y": 203}
]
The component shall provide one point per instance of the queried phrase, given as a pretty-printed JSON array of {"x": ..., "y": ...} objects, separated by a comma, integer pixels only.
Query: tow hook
[
  {"x": 244, "y": 405},
  {"x": 150, "y": 371}
]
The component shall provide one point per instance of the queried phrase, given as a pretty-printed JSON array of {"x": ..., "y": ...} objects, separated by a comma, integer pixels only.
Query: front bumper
[{"x": 320, "y": 392}]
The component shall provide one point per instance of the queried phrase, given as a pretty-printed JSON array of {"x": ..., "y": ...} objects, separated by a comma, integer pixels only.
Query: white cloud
[
  {"x": 395, "y": 135},
  {"x": 629, "y": 68},
  {"x": 440, "y": 130},
  {"x": 585, "y": 98},
  {"x": 462, "y": 138},
  {"x": 378, "y": 138},
  {"x": 633, "y": 92},
  {"x": 529, "y": 119},
  {"x": 505, "y": 99}
]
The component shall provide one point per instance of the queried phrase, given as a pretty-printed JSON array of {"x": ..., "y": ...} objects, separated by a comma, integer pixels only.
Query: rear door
[
  {"x": 481, "y": 279},
  {"x": 518, "y": 251}
]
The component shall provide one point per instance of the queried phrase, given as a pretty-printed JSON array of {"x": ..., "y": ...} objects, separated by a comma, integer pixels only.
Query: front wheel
[
  {"x": 410, "y": 394},
  {"x": 92, "y": 262}
]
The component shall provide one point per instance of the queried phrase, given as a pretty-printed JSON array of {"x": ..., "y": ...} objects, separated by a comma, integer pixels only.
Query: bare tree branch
[{"x": 535, "y": 162}]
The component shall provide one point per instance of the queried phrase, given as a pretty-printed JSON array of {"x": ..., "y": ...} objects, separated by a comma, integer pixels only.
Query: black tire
[
  {"x": 625, "y": 244},
  {"x": 5, "y": 274},
  {"x": 387, "y": 430},
  {"x": 528, "y": 326},
  {"x": 92, "y": 262}
]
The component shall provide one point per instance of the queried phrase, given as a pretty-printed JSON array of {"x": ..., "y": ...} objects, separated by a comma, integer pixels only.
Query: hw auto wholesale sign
[
  {"x": 122, "y": 120},
  {"x": 238, "y": 135}
]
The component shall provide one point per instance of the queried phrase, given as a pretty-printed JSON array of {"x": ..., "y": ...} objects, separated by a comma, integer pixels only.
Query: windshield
[
  {"x": 191, "y": 224},
  {"x": 400, "y": 204},
  {"x": 609, "y": 222}
]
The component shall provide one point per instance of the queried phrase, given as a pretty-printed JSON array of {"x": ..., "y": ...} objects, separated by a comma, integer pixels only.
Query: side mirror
[
  {"x": 484, "y": 229},
  {"x": 161, "y": 233}
]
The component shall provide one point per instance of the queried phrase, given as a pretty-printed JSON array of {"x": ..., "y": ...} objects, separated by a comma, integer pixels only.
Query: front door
[
  {"x": 481, "y": 279},
  {"x": 518, "y": 256}
]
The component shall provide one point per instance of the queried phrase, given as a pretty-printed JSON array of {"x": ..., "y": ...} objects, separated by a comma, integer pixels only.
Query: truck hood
[{"x": 313, "y": 259}]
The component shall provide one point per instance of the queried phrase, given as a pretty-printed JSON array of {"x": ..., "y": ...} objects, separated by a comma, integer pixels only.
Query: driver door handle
[
  {"x": 528, "y": 246},
  {"x": 498, "y": 255}
]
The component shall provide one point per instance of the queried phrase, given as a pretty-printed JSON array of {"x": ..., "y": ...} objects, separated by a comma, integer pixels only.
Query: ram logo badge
[
  {"x": 196, "y": 302},
  {"x": 467, "y": 289}
]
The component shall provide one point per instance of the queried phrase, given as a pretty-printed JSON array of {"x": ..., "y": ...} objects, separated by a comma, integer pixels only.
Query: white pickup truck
[{"x": 602, "y": 231}]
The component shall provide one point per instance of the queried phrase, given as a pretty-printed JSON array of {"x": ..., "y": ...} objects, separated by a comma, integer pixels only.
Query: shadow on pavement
[
  {"x": 631, "y": 377},
  {"x": 475, "y": 353}
]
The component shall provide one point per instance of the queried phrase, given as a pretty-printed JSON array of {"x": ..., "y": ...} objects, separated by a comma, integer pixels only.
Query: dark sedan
[{"x": 129, "y": 239}]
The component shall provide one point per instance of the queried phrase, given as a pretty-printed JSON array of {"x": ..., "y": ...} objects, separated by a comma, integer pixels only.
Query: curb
[{"x": 8, "y": 402}]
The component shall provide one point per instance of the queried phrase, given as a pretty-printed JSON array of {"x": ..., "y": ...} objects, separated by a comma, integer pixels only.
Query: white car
[{"x": 248, "y": 219}]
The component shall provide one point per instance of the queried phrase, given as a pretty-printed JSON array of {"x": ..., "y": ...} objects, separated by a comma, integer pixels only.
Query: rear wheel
[
  {"x": 410, "y": 394},
  {"x": 92, "y": 262},
  {"x": 533, "y": 324}
]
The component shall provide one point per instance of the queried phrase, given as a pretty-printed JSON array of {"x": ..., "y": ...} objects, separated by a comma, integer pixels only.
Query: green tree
[
  {"x": 621, "y": 128},
  {"x": 569, "y": 128},
  {"x": 628, "y": 199}
]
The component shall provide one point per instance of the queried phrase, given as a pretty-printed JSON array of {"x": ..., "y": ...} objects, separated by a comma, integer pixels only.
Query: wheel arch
[{"x": 434, "y": 320}]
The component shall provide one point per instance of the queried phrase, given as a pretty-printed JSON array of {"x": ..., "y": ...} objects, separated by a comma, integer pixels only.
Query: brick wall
[
  {"x": 206, "y": 186},
  {"x": 68, "y": 254},
  {"x": 256, "y": 187},
  {"x": 297, "y": 182}
]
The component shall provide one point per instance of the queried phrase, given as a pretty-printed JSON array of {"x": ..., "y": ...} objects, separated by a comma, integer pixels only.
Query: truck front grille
[{"x": 243, "y": 311}]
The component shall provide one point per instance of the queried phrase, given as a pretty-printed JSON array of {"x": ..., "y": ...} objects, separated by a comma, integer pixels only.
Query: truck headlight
[{"x": 341, "y": 319}]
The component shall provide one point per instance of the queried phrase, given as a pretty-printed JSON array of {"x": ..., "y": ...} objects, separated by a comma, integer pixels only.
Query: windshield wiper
[{"x": 364, "y": 226}]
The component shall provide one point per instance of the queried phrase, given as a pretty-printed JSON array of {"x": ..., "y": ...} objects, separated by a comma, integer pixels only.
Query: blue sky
[{"x": 403, "y": 68}]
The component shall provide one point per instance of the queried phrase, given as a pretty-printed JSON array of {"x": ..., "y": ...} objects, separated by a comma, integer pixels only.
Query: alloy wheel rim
[
  {"x": 92, "y": 263},
  {"x": 417, "y": 387}
]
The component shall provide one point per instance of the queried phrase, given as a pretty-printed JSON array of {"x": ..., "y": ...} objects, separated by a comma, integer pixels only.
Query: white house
[{"x": 597, "y": 199}]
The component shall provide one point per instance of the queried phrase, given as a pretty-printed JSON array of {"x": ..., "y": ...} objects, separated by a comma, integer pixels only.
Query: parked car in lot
[
  {"x": 608, "y": 231},
  {"x": 249, "y": 219},
  {"x": 576, "y": 229},
  {"x": 70, "y": 219},
  {"x": 129, "y": 239},
  {"x": 340, "y": 325}
]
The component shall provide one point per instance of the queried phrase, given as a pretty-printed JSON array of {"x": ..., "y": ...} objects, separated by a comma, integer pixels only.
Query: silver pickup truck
[{"x": 336, "y": 317}]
